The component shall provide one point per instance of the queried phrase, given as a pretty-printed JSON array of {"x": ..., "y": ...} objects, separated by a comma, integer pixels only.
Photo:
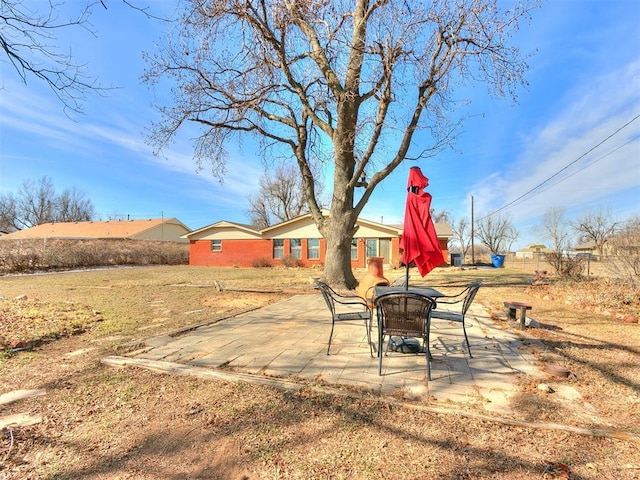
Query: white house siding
[
  {"x": 366, "y": 231},
  {"x": 302, "y": 228},
  {"x": 306, "y": 228},
  {"x": 225, "y": 233},
  {"x": 166, "y": 232}
]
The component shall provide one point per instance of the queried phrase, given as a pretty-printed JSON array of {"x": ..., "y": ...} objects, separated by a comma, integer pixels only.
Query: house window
[
  {"x": 296, "y": 248},
  {"x": 372, "y": 247},
  {"x": 278, "y": 248},
  {"x": 313, "y": 249},
  {"x": 216, "y": 245},
  {"x": 354, "y": 249}
]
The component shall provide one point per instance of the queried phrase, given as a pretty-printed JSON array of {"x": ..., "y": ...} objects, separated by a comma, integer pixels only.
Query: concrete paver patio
[{"x": 288, "y": 340}]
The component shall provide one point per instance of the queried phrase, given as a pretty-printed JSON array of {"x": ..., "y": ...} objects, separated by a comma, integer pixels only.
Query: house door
[
  {"x": 385, "y": 249},
  {"x": 379, "y": 247}
]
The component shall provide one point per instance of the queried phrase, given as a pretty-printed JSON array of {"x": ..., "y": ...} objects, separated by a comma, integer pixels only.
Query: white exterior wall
[
  {"x": 307, "y": 229},
  {"x": 225, "y": 233},
  {"x": 366, "y": 231},
  {"x": 166, "y": 232}
]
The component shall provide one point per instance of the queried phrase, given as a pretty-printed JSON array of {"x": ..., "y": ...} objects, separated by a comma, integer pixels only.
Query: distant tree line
[
  {"x": 620, "y": 239},
  {"x": 37, "y": 202}
]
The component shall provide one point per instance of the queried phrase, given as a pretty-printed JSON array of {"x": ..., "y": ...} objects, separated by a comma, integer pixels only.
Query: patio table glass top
[{"x": 426, "y": 291}]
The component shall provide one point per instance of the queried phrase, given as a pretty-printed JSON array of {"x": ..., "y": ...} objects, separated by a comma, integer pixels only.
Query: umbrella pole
[{"x": 406, "y": 283}]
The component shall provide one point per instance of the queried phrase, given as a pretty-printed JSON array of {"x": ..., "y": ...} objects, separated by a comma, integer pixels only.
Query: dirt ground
[{"x": 92, "y": 421}]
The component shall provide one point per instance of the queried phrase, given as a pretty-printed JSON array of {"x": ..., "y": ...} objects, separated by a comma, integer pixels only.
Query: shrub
[
  {"x": 290, "y": 261},
  {"x": 30, "y": 255},
  {"x": 262, "y": 262},
  {"x": 566, "y": 266}
]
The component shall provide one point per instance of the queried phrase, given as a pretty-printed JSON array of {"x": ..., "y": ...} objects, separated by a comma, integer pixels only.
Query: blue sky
[{"x": 584, "y": 85}]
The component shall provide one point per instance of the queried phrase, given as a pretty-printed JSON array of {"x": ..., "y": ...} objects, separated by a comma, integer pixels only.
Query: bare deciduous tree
[
  {"x": 280, "y": 198},
  {"x": 441, "y": 216},
  {"x": 73, "y": 206},
  {"x": 496, "y": 231},
  {"x": 28, "y": 38},
  {"x": 37, "y": 202},
  {"x": 8, "y": 213},
  {"x": 596, "y": 226},
  {"x": 353, "y": 81},
  {"x": 555, "y": 229},
  {"x": 462, "y": 235},
  {"x": 624, "y": 262}
]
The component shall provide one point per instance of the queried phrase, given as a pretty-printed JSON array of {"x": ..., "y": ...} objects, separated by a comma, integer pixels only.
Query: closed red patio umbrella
[{"x": 419, "y": 242}]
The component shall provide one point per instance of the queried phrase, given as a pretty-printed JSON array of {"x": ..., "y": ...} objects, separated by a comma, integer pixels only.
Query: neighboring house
[
  {"x": 624, "y": 244},
  {"x": 159, "y": 229},
  {"x": 234, "y": 244},
  {"x": 532, "y": 251},
  {"x": 587, "y": 247}
]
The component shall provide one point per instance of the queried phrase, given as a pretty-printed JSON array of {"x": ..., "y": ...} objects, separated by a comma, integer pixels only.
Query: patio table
[
  {"x": 379, "y": 290},
  {"x": 426, "y": 291}
]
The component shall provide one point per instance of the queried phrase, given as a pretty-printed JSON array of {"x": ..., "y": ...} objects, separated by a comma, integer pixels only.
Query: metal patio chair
[
  {"x": 400, "y": 281},
  {"x": 404, "y": 314},
  {"x": 456, "y": 306},
  {"x": 345, "y": 308}
]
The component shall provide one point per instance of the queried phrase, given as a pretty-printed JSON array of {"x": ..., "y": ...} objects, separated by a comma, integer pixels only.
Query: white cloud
[
  {"x": 594, "y": 112},
  {"x": 114, "y": 138}
]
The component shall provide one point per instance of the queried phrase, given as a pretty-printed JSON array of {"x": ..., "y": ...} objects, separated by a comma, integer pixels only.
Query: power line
[
  {"x": 562, "y": 169},
  {"x": 587, "y": 165}
]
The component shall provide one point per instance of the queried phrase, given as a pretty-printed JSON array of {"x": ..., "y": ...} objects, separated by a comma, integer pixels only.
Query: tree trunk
[
  {"x": 339, "y": 230},
  {"x": 337, "y": 268}
]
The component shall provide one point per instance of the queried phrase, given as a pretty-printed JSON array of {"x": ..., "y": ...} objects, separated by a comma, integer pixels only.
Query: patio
[{"x": 288, "y": 340}]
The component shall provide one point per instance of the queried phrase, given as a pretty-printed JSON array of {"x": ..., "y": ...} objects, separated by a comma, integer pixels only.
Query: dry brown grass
[{"x": 99, "y": 422}]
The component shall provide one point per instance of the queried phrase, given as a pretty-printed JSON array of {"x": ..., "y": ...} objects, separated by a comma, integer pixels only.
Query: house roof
[
  {"x": 590, "y": 245},
  {"x": 535, "y": 247},
  {"x": 442, "y": 229},
  {"x": 106, "y": 229},
  {"x": 223, "y": 224}
]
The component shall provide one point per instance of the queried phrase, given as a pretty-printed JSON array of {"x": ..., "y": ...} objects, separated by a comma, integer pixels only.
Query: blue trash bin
[{"x": 497, "y": 260}]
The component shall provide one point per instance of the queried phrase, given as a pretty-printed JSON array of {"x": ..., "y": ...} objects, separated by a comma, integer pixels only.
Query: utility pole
[{"x": 473, "y": 249}]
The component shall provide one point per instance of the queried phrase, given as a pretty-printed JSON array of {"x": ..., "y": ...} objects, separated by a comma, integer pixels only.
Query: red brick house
[{"x": 233, "y": 244}]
